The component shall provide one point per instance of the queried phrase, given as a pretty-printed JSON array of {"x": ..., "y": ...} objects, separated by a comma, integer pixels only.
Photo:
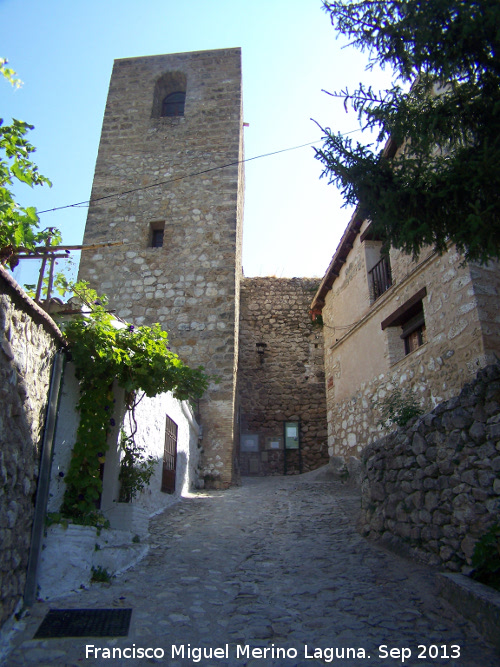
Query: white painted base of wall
[
  {"x": 69, "y": 554},
  {"x": 130, "y": 518}
]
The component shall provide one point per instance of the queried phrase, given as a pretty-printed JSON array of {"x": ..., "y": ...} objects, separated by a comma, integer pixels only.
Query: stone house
[{"x": 424, "y": 326}]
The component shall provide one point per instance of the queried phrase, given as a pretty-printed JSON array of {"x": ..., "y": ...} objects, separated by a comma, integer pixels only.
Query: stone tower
[{"x": 168, "y": 184}]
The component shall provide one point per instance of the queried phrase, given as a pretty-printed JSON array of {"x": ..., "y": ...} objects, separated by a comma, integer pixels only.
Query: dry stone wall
[
  {"x": 435, "y": 484},
  {"x": 190, "y": 284},
  {"x": 286, "y": 381},
  {"x": 29, "y": 340}
]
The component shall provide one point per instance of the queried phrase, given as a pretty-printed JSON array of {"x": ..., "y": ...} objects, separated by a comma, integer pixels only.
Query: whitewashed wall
[
  {"x": 150, "y": 416},
  {"x": 118, "y": 547},
  {"x": 65, "y": 436}
]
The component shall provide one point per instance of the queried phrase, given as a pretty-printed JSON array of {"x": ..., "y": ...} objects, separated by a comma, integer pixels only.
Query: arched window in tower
[
  {"x": 173, "y": 104},
  {"x": 169, "y": 98}
]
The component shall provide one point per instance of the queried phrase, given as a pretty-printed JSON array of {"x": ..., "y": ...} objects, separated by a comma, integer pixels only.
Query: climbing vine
[
  {"x": 136, "y": 469},
  {"x": 136, "y": 358}
]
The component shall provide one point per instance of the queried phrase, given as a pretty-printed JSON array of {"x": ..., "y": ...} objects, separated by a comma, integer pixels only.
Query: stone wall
[
  {"x": 435, "y": 484},
  {"x": 29, "y": 341},
  {"x": 486, "y": 284},
  {"x": 286, "y": 381},
  {"x": 365, "y": 363},
  {"x": 190, "y": 284}
]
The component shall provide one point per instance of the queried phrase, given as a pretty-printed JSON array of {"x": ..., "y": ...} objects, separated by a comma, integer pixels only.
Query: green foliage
[
  {"x": 53, "y": 518},
  {"x": 318, "y": 320},
  {"x": 135, "y": 469},
  {"x": 443, "y": 186},
  {"x": 137, "y": 358},
  {"x": 60, "y": 282},
  {"x": 486, "y": 558},
  {"x": 100, "y": 575},
  {"x": 18, "y": 225},
  {"x": 398, "y": 408},
  {"x": 9, "y": 74}
]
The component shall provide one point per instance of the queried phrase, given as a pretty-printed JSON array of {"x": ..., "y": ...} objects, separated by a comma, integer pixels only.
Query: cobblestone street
[{"x": 276, "y": 564}]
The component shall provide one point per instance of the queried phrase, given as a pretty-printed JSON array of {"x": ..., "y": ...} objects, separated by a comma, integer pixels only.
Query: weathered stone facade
[
  {"x": 285, "y": 381},
  {"x": 435, "y": 484},
  {"x": 190, "y": 285},
  {"x": 29, "y": 341},
  {"x": 365, "y": 356}
]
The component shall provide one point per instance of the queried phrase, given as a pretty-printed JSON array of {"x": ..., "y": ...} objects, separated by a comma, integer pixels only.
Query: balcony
[{"x": 380, "y": 278}]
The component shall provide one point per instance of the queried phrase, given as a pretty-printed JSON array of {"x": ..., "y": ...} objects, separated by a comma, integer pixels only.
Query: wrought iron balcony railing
[{"x": 380, "y": 278}]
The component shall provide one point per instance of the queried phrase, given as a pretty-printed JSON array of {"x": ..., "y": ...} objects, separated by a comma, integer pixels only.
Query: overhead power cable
[
  {"x": 173, "y": 180},
  {"x": 86, "y": 202}
]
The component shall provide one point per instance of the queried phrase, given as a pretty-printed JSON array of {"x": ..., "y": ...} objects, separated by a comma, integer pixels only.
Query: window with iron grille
[
  {"x": 378, "y": 265},
  {"x": 380, "y": 277},
  {"x": 414, "y": 333}
]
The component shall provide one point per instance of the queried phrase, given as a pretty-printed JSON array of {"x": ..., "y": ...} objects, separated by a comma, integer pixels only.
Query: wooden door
[{"x": 169, "y": 457}]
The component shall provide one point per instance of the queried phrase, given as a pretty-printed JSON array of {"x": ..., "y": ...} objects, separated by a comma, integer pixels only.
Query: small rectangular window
[
  {"x": 157, "y": 238},
  {"x": 414, "y": 334},
  {"x": 156, "y": 234},
  {"x": 409, "y": 321}
]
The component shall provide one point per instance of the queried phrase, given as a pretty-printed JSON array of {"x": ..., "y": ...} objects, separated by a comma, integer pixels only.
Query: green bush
[
  {"x": 486, "y": 558},
  {"x": 398, "y": 408},
  {"x": 100, "y": 575},
  {"x": 137, "y": 359}
]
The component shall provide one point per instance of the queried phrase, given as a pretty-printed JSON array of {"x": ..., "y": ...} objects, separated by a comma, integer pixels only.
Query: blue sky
[{"x": 64, "y": 51}]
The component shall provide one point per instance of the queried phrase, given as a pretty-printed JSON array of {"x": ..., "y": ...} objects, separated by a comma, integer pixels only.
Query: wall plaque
[
  {"x": 291, "y": 435},
  {"x": 249, "y": 443}
]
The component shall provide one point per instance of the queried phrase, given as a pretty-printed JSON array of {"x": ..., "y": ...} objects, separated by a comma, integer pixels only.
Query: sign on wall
[
  {"x": 274, "y": 442},
  {"x": 291, "y": 435},
  {"x": 249, "y": 443}
]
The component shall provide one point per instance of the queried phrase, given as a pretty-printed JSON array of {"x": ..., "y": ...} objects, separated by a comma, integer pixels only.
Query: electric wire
[{"x": 86, "y": 202}]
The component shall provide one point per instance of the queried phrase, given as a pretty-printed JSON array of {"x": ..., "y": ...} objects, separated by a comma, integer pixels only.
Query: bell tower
[{"x": 168, "y": 185}]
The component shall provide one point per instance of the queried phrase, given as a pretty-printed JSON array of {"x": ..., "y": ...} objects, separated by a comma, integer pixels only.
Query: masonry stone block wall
[
  {"x": 365, "y": 363},
  {"x": 29, "y": 341},
  {"x": 172, "y": 171},
  {"x": 285, "y": 382},
  {"x": 435, "y": 484},
  {"x": 486, "y": 285}
]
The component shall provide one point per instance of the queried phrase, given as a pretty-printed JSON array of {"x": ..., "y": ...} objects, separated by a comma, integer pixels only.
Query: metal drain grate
[{"x": 85, "y": 623}]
